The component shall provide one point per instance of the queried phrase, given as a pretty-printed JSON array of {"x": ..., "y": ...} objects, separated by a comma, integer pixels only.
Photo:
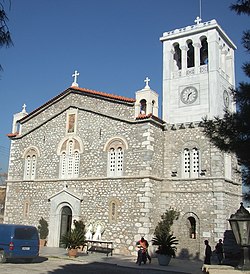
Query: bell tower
[
  {"x": 146, "y": 101},
  {"x": 198, "y": 72}
]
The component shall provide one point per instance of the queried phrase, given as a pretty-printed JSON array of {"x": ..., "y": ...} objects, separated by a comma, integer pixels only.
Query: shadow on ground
[
  {"x": 38, "y": 260},
  {"x": 103, "y": 268}
]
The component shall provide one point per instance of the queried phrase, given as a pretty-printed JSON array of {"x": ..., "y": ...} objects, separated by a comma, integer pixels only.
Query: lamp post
[{"x": 240, "y": 224}]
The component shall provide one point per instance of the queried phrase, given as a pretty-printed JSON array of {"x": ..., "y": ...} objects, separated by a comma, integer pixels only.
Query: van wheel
[{"x": 2, "y": 257}]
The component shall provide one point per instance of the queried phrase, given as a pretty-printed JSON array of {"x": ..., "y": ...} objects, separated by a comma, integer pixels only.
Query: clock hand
[{"x": 189, "y": 95}]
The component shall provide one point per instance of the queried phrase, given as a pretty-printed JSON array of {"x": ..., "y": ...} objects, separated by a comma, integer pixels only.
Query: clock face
[
  {"x": 226, "y": 98},
  {"x": 189, "y": 95}
]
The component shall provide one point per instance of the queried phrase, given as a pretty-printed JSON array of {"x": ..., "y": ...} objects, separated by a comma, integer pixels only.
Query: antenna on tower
[
  {"x": 198, "y": 18},
  {"x": 200, "y": 9}
]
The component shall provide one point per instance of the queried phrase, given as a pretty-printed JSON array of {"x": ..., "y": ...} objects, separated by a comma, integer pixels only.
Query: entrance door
[{"x": 66, "y": 220}]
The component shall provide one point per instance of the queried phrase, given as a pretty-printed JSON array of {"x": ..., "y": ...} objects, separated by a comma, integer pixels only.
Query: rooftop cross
[
  {"x": 198, "y": 20},
  {"x": 24, "y": 108},
  {"x": 147, "y": 80},
  {"x": 74, "y": 84}
]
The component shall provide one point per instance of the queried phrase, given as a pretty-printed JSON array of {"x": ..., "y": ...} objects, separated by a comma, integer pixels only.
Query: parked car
[{"x": 18, "y": 242}]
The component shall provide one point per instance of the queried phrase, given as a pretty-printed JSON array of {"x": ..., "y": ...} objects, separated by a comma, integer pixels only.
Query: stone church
[{"x": 112, "y": 161}]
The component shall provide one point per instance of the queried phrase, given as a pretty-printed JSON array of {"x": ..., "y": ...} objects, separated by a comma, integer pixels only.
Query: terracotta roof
[
  {"x": 84, "y": 90},
  {"x": 150, "y": 115},
  {"x": 12, "y": 134},
  {"x": 104, "y": 94},
  {"x": 143, "y": 116}
]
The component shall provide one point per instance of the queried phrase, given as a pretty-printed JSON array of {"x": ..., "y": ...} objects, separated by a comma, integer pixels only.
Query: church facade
[{"x": 111, "y": 161}]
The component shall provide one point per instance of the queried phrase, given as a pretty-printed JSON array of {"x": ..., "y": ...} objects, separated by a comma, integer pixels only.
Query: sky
[{"x": 114, "y": 44}]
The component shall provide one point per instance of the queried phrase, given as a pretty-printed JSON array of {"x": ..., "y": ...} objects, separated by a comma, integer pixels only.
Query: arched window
[
  {"x": 113, "y": 210},
  {"x": 191, "y": 163},
  {"x": 69, "y": 159},
  {"x": 30, "y": 164},
  {"x": 177, "y": 56},
  {"x": 192, "y": 227},
  {"x": 195, "y": 162},
  {"x": 153, "y": 106},
  {"x": 26, "y": 209},
  {"x": 186, "y": 161},
  {"x": 190, "y": 54},
  {"x": 143, "y": 106},
  {"x": 77, "y": 163},
  {"x": 115, "y": 149},
  {"x": 204, "y": 51},
  {"x": 115, "y": 161}
]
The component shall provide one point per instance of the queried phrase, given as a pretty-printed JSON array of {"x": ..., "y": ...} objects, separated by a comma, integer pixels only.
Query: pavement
[{"x": 175, "y": 266}]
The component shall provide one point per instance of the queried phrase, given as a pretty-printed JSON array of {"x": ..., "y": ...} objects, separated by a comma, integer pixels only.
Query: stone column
[
  {"x": 184, "y": 50},
  {"x": 197, "y": 47}
]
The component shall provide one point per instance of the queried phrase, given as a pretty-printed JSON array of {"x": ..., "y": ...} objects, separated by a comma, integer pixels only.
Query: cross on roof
[
  {"x": 198, "y": 20},
  {"x": 147, "y": 80},
  {"x": 24, "y": 108},
  {"x": 75, "y": 74}
]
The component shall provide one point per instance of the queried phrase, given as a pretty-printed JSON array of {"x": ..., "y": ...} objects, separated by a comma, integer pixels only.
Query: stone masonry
[{"x": 146, "y": 188}]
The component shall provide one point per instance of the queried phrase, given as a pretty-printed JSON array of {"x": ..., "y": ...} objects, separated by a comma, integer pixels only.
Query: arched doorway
[
  {"x": 66, "y": 221},
  {"x": 189, "y": 237},
  {"x": 65, "y": 207}
]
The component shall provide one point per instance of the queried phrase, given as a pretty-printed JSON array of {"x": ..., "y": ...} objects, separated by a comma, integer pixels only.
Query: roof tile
[
  {"x": 10, "y": 135},
  {"x": 104, "y": 94}
]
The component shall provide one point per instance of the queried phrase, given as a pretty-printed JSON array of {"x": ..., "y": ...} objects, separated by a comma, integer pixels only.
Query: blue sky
[{"x": 114, "y": 44}]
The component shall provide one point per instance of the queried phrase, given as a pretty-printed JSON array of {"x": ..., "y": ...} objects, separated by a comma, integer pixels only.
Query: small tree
[
  {"x": 163, "y": 237},
  {"x": 79, "y": 225},
  {"x": 43, "y": 228},
  {"x": 167, "y": 220}
]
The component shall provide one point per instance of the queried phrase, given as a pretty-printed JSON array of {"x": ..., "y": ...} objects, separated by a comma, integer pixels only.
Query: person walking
[
  {"x": 219, "y": 251},
  {"x": 208, "y": 253}
]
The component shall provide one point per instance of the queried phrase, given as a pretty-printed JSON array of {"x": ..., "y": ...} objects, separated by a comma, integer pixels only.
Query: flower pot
[
  {"x": 163, "y": 259},
  {"x": 72, "y": 252}
]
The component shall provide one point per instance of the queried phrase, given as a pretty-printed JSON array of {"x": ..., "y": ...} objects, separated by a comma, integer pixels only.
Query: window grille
[
  {"x": 191, "y": 162},
  {"x": 70, "y": 160},
  {"x": 30, "y": 165}
]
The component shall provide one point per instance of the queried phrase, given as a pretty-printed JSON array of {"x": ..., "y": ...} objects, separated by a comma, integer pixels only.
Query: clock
[
  {"x": 226, "y": 98},
  {"x": 189, "y": 95}
]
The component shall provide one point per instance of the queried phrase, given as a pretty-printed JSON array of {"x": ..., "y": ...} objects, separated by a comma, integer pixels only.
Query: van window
[{"x": 29, "y": 233}]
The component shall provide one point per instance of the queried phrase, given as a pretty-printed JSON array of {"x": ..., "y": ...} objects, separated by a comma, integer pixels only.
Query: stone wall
[
  {"x": 108, "y": 107},
  {"x": 144, "y": 191},
  {"x": 2, "y": 202},
  {"x": 210, "y": 198},
  {"x": 94, "y": 130},
  {"x": 135, "y": 196}
]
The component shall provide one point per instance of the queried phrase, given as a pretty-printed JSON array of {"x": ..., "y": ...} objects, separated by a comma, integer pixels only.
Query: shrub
[{"x": 43, "y": 228}]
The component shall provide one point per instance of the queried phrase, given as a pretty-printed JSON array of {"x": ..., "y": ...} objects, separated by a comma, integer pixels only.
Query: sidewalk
[{"x": 176, "y": 265}]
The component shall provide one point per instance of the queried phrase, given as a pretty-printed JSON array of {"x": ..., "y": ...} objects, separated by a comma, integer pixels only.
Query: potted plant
[
  {"x": 166, "y": 248},
  {"x": 43, "y": 231},
  {"x": 74, "y": 239},
  {"x": 165, "y": 240}
]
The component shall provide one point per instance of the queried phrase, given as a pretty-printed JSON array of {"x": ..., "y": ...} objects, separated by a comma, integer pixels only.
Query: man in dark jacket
[
  {"x": 219, "y": 251},
  {"x": 208, "y": 253}
]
